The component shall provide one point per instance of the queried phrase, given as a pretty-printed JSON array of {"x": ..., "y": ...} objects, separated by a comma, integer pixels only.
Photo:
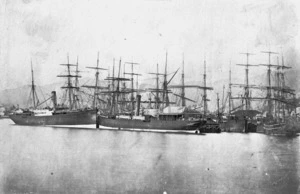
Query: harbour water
[{"x": 62, "y": 160}]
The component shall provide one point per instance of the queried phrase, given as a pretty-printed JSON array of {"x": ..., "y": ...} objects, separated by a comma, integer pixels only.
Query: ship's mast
[
  {"x": 35, "y": 99},
  {"x": 278, "y": 104},
  {"x": 204, "y": 88},
  {"x": 32, "y": 87},
  {"x": 77, "y": 73},
  {"x": 123, "y": 95},
  {"x": 182, "y": 84},
  {"x": 223, "y": 95},
  {"x": 113, "y": 81},
  {"x": 269, "y": 89},
  {"x": 75, "y": 95},
  {"x": 218, "y": 106},
  {"x": 96, "y": 82},
  {"x": 115, "y": 92},
  {"x": 137, "y": 83},
  {"x": 282, "y": 74},
  {"x": 69, "y": 86},
  {"x": 282, "y": 85},
  {"x": 157, "y": 90},
  {"x": 96, "y": 87},
  {"x": 247, "y": 65},
  {"x": 165, "y": 85},
  {"x": 132, "y": 83},
  {"x": 113, "y": 105},
  {"x": 205, "y": 91},
  {"x": 118, "y": 85},
  {"x": 230, "y": 92}
]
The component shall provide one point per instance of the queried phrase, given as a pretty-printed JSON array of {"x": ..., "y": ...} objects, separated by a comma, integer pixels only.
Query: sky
[{"x": 47, "y": 31}]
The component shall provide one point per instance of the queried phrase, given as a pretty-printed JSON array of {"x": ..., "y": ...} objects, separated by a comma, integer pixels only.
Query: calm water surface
[{"x": 57, "y": 160}]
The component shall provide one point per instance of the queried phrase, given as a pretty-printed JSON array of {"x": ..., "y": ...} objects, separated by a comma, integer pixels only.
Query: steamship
[
  {"x": 58, "y": 115},
  {"x": 128, "y": 114}
]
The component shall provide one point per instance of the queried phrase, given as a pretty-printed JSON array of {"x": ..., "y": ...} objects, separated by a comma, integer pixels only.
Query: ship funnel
[
  {"x": 138, "y": 99},
  {"x": 54, "y": 100}
]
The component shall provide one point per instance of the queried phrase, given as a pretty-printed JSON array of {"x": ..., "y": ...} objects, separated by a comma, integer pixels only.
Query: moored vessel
[
  {"x": 58, "y": 115},
  {"x": 165, "y": 118}
]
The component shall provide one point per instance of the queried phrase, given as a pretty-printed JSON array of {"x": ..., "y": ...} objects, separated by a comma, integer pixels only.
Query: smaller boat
[
  {"x": 210, "y": 126},
  {"x": 280, "y": 129}
]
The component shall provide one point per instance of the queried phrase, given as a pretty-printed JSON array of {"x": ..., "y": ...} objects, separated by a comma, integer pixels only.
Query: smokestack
[
  {"x": 54, "y": 100},
  {"x": 138, "y": 99}
]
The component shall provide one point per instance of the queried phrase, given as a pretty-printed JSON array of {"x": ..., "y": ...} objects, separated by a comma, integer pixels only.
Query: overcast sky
[{"x": 142, "y": 31}]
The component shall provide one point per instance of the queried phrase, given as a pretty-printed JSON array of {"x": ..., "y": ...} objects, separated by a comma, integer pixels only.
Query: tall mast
[
  {"x": 132, "y": 84},
  {"x": 77, "y": 73},
  {"x": 113, "y": 74},
  {"x": 269, "y": 89},
  {"x": 182, "y": 84},
  {"x": 222, "y": 110},
  {"x": 282, "y": 85},
  {"x": 33, "y": 88},
  {"x": 137, "y": 84},
  {"x": 279, "y": 91},
  {"x": 69, "y": 86},
  {"x": 118, "y": 85},
  {"x": 205, "y": 90},
  {"x": 96, "y": 82},
  {"x": 282, "y": 74},
  {"x": 165, "y": 85},
  {"x": 76, "y": 86},
  {"x": 247, "y": 83},
  {"x": 247, "y": 65},
  {"x": 115, "y": 92},
  {"x": 229, "y": 93},
  {"x": 113, "y": 106},
  {"x": 132, "y": 89},
  {"x": 123, "y": 95},
  {"x": 157, "y": 88},
  {"x": 218, "y": 106},
  {"x": 96, "y": 87}
]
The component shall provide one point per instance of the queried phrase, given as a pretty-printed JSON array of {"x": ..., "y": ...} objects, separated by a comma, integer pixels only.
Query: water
[{"x": 60, "y": 160}]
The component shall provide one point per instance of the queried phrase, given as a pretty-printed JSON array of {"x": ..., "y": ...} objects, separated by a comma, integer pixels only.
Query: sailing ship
[
  {"x": 240, "y": 119},
  {"x": 58, "y": 115},
  {"x": 281, "y": 119},
  {"x": 278, "y": 104},
  {"x": 162, "y": 117}
]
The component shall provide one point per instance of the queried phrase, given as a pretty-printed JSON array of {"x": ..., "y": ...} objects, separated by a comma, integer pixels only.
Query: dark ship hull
[
  {"x": 233, "y": 126},
  {"x": 280, "y": 129},
  {"x": 177, "y": 125},
  {"x": 67, "y": 118},
  {"x": 239, "y": 126}
]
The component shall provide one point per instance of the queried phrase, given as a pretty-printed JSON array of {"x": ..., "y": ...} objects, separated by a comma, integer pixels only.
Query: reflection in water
[{"x": 54, "y": 160}]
